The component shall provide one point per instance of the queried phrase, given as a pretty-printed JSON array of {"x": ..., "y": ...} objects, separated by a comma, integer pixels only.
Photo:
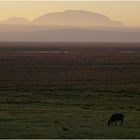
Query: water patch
[
  {"x": 53, "y": 52},
  {"x": 129, "y": 52}
]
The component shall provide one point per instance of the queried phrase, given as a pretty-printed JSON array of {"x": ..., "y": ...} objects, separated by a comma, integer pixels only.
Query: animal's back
[{"x": 117, "y": 116}]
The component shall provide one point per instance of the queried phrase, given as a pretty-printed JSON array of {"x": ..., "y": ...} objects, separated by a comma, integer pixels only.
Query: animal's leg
[
  {"x": 121, "y": 122},
  {"x": 109, "y": 122}
]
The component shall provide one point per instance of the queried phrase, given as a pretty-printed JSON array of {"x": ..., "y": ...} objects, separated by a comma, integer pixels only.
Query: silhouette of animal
[{"x": 117, "y": 117}]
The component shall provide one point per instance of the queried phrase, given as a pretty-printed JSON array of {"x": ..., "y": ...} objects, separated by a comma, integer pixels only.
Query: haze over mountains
[
  {"x": 68, "y": 18},
  {"x": 76, "y": 18},
  {"x": 70, "y": 25},
  {"x": 16, "y": 20}
]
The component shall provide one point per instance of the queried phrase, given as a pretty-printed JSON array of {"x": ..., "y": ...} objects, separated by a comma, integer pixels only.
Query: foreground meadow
[{"x": 62, "y": 90}]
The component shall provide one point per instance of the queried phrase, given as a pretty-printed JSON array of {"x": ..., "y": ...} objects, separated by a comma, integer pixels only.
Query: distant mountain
[
  {"x": 72, "y": 35},
  {"x": 76, "y": 18},
  {"x": 16, "y": 20},
  {"x": 68, "y": 26}
]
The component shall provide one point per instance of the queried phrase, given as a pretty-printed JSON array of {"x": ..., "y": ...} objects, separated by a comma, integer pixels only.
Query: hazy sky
[{"x": 126, "y": 12}]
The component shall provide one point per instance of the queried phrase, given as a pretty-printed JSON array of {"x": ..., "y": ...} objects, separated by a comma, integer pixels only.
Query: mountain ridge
[
  {"x": 75, "y": 18},
  {"x": 68, "y": 18},
  {"x": 16, "y": 20}
]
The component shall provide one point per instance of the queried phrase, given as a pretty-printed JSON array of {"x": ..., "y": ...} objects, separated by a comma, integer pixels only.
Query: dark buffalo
[{"x": 117, "y": 117}]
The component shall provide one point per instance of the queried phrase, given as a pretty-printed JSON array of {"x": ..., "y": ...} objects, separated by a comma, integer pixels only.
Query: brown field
[{"x": 69, "y": 90}]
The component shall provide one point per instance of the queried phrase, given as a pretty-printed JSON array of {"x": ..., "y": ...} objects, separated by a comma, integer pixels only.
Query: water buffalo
[{"x": 117, "y": 117}]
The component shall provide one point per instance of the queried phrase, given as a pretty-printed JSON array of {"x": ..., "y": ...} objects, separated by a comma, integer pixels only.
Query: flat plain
[{"x": 69, "y": 90}]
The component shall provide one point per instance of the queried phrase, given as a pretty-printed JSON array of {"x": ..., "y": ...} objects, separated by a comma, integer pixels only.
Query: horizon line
[{"x": 67, "y": 0}]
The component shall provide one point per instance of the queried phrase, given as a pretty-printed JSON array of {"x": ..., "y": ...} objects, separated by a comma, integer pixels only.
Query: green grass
[{"x": 68, "y": 112}]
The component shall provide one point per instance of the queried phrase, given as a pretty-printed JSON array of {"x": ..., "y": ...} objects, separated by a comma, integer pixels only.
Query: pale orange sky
[{"x": 126, "y": 12}]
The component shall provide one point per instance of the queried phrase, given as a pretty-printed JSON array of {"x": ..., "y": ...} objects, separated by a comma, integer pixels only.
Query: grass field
[{"x": 69, "y": 90}]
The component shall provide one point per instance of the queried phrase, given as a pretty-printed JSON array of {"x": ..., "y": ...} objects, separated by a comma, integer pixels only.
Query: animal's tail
[{"x": 109, "y": 122}]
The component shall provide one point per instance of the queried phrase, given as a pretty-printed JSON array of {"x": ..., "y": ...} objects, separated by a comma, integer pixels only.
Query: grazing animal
[{"x": 117, "y": 117}]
